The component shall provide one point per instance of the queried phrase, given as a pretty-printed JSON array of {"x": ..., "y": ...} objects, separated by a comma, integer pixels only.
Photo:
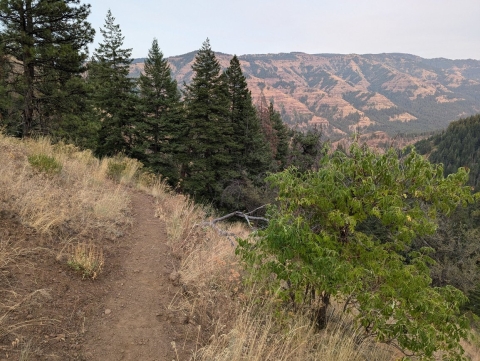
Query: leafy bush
[
  {"x": 115, "y": 169},
  {"x": 45, "y": 164},
  {"x": 345, "y": 230}
]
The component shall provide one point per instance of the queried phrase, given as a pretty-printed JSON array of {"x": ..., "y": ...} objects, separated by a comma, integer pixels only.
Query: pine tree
[
  {"x": 207, "y": 162},
  {"x": 46, "y": 43},
  {"x": 251, "y": 155},
  {"x": 160, "y": 127},
  {"x": 250, "y": 151},
  {"x": 306, "y": 149},
  {"x": 282, "y": 137},
  {"x": 114, "y": 92}
]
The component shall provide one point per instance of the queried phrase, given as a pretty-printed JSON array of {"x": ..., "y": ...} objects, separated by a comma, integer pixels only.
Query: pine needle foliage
[
  {"x": 114, "y": 94},
  {"x": 160, "y": 128},
  {"x": 208, "y": 140},
  {"x": 45, "y": 42}
]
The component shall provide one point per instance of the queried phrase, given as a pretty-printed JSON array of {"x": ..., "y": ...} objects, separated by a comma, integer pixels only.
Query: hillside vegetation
[
  {"x": 71, "y": 200},
  {"x": 456, "y": 243},
  {"x": 457, "y": 146},
  {"x": 355, "y": 255},
  {"x": 51, "y": 214}
]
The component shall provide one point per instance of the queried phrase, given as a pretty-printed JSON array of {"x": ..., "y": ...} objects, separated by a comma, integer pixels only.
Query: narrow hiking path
[{"x": 135, "y": 322}]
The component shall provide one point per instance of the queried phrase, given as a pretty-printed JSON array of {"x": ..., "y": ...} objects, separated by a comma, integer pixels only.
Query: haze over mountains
[{"x": 394, "y": 93}]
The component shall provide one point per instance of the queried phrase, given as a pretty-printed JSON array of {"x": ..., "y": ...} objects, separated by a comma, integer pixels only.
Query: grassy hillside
[{"x": 58, "y": 202}]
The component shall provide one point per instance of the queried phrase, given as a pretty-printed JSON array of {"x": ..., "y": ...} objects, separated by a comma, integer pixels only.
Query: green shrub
[
  {"x": 345, "y": 232},
  {"x": 115, "y": 169},
  {"x": 45, "y": 164}
]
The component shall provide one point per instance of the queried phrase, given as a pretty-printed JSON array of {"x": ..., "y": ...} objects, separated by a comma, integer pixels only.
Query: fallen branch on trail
[{"x": 231, "y": 236}]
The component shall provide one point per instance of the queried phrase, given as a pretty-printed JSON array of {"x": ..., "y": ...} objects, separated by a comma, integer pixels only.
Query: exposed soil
[{"x": 127, "y": 313}]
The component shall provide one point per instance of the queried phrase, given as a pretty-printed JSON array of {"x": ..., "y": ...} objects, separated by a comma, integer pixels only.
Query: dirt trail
[{"x": 134, "y": 322}]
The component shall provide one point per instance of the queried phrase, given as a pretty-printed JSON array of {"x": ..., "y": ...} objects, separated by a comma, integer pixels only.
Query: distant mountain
[{"x": 392, "y": 93}]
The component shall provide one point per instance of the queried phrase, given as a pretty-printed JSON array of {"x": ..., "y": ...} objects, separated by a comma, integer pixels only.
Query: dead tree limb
[{"x": 232, "y": 236}]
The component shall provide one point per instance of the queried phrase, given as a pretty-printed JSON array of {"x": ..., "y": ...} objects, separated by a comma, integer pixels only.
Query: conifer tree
[
  {"x": 282, "y": 137},
  {"x": 251, "y": 155},
  {"x": 160, "y": 127},
  {"x": 206, "y": 161},
  {"x": 113, "y": 91},
  {"x": 49, "y": 39},
  {"x": 306, "y": 149},
  {"x": 250, "y": 151}
]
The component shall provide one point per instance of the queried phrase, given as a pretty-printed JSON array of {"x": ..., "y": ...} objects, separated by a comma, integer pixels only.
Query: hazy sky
[{"x": 428, "y": 28}]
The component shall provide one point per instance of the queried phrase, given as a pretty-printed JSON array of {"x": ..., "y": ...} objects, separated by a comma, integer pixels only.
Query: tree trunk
[
  {"x": 321, "y": 316},
  {"x": 28, "y": 69}
]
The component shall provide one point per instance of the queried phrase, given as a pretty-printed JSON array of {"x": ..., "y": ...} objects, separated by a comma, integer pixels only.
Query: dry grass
[
  {"x": 65, "y": 195},
  {"x": 180, "y": 215},
  {"x": 232, "y": 326},
  {"x": 259, "y": 335},
  {"x": 86, "y": 258},
  {"x": 7, "y": 307},
  {"x": 77, "y": 200}
]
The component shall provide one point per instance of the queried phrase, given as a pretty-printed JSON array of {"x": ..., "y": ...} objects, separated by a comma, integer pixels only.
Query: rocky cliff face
[{"x": 392, "y": 93}]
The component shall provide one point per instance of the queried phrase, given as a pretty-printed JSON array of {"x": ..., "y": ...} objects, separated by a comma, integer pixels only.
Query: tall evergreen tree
[
  {"x": 114, "y": 93},
  {"x": 46, "y": 42},
  {"x": 160, "y": 127},
  {"x": 251, "y": 155},
  {"x": 282, "y": 136},
  {"x": 250, "y": 151},
  {"x": 207, "y": 162}
]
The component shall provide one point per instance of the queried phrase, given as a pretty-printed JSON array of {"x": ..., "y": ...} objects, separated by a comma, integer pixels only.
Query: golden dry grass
[
  {"x": 232, "y": 326},
  {"x": 259, "y": 335},
  {"x": 77, "y": 201},
  {"x": 86, "y": 258},
  {"x": 74, "y": 202}
]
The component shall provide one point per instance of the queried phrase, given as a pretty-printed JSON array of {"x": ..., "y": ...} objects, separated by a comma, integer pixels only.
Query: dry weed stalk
[
  {"x": 5, "y": 310},
  {"x": 260, "y": 333},
  {"x": 87, "y": 259}
]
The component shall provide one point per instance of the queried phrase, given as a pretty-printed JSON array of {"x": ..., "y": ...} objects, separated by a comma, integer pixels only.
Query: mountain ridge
[{"x": 342, "y": 93}]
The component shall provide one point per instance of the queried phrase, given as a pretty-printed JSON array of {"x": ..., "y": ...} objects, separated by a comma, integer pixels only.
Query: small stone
[
  {"x": 174, "y": 277},
  {"x": 108, "y": 311}
]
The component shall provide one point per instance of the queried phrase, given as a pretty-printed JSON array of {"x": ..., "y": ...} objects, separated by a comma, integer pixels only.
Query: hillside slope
[
  {"x": 457, "y": 146},
  {"x": 383, "y": 92}
]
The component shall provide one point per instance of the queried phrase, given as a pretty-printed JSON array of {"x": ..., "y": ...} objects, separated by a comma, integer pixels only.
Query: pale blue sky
[{"x": 428, "y": 28}]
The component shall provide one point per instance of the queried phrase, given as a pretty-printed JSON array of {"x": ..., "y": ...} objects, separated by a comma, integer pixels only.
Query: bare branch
[{"x": 232, "y": 236}]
